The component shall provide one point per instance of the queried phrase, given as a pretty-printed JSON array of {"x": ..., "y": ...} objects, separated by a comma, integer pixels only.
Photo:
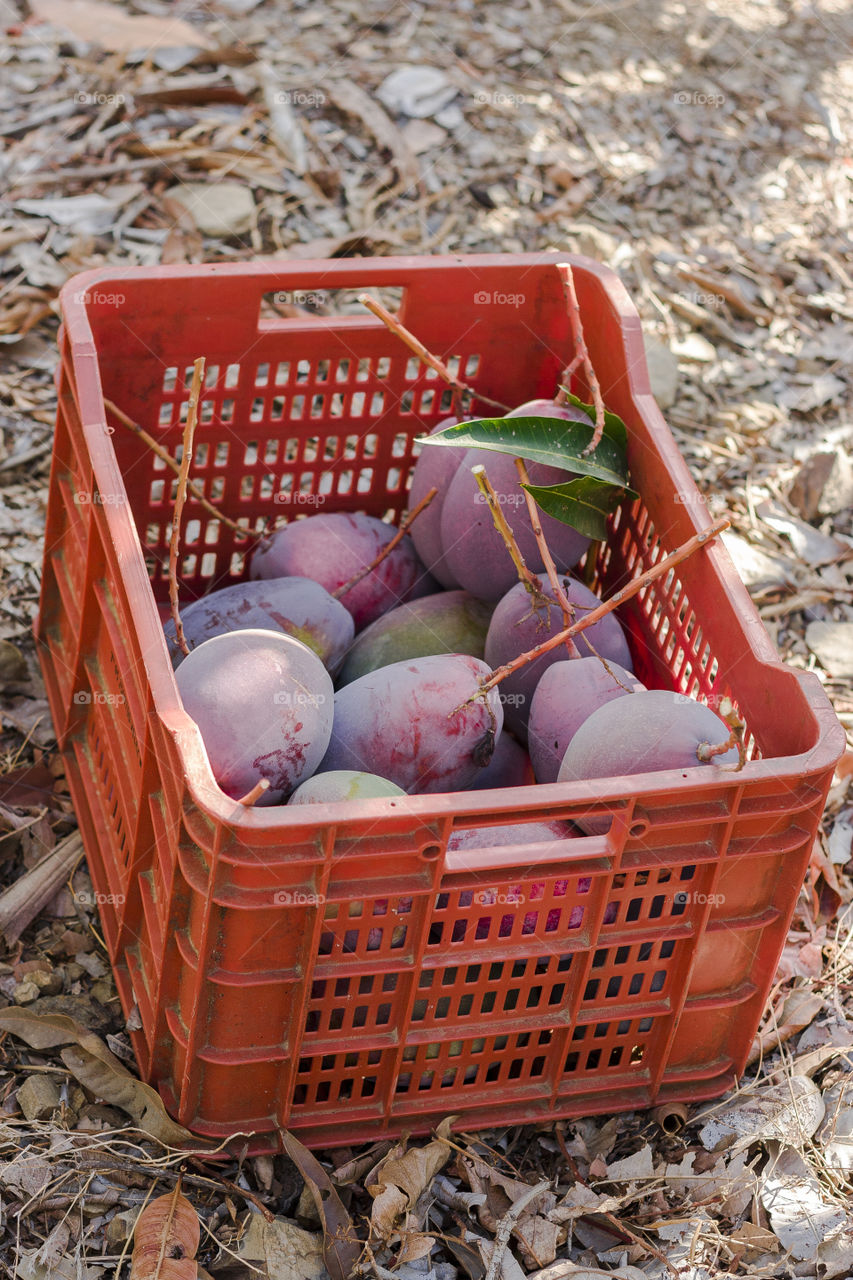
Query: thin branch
[
  {"x": 528, "y": 579},
  {"x": 253, "y": 796},
  {"x": 726, "y": 711},
  {"x": 235, "y": 1188},
  {"x": 625, "y": 593},
  {"x": 180, "y": 498},
  {"x": 505, "y": 1228},
  {"x": 619, "y": 1227},
  {"x": 165, "y": 456},
  {"x": 582, "y": 354},
  {"x": 414, "y": 345},
  {"x": 547, "y": 559},
  {"x": 405, "y": 524}
]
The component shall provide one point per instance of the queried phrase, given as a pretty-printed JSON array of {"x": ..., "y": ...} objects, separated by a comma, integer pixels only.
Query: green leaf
[
  {"x": 584, "y": 503},
  {"x": 554, "y": 441},
  {"x": 614, "y": 427}
]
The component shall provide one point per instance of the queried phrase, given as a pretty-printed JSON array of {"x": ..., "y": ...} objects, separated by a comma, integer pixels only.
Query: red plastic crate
[{"x": 334, "y": 970}]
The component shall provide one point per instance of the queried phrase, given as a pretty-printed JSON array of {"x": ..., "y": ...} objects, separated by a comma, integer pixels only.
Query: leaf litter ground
[{"x": 699, "y": 150}]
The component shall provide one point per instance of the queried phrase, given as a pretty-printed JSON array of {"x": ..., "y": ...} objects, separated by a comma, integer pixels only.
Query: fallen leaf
[
  {"x": 398, "y": 1181},
  {"x": 801, "y": 1214},
  {"x": 91, "y": 1062},
  {"x": 165, "y": 1240},
  {"x": 341, "y": 1247},
  {"x": 110, "y": 1080},
  {"x": 638, "y": 1165},
  {"x": 790, "y": 1111},
  {"x": 352, "y": 100},
  {"x": 798, "y": 1012},
  {"x": 535, "y": 1231},
  {"x": 111, "y": 28},
  {"x": 284, "y": 123},
  {"x": 284, "y": 1249}
]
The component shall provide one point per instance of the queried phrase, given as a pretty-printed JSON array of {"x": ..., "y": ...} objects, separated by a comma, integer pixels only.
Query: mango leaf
[
  {"x": 614, "y": 427},
  {"x": 554, "y": 441},
  {"x": 584, "y": 503},
  {"x": 341, "y": 1246}
]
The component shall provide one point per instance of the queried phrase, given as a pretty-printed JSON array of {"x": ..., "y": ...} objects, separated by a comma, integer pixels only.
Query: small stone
[
  {"x": 824, "y": 485},
  {"x": 663, "y": 372},
  {"x": 39, "y": 1097},
  {"x": 26, "y": 992},
  {"x": 216, "y": 208},
  {"x": 423, "y": 135},
  {"x": 695, "y": 347},
  {"x": 13, "y": 665},
  {"x": 416, "y": 91},
  {"x": 832, "y": 645}
]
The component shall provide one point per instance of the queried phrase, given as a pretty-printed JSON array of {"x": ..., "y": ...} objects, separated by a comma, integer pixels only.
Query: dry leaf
[
  {"x": 108, "y": 1079},
  {"x": 341, "y": 1247},
  {"x": 798, "y": 1012},
  {"x": 112, "y": 28},
  {"x": 348, "y": 97},
  {"x": 535, "y": 1231},
  {"x": 284, "y": 1249},
  {"x": 284, "y": 123},
  {"x": 165, "y": 1240},
  {"x": 414, "y": 1245},
  {"x": 398, "y": 1181},
  {"x": 91, "y": 1062},
  {"x": 790, "y": 1111}
]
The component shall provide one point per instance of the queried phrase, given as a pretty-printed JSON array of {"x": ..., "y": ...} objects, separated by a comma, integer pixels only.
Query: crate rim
[{"x": 829, "y": 737}]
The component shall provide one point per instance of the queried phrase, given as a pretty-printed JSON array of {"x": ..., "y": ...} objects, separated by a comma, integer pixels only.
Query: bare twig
[
  {"x": 726, "y": 711},
  {"x": 506, "y": 1225},
  {"x": 625, "y": 593},
  {"x": 392, "y": 323},
  {"x": 180, "y": 498},
  {"x": 528, "y": 579},
  {"x": 618, "y": 1227},
  {"x": 234, "y": 1187},
  {"x": 582, "y": 355},
  {"x": 165, "y": 456},
  {"x": 253, "y": 796},
  {"x": 405, "y": 524},
  {"x": 547, "y": 559}
]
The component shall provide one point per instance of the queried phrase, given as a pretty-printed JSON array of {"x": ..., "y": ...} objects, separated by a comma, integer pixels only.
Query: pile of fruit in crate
[{"x": 456, "y": 652}]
